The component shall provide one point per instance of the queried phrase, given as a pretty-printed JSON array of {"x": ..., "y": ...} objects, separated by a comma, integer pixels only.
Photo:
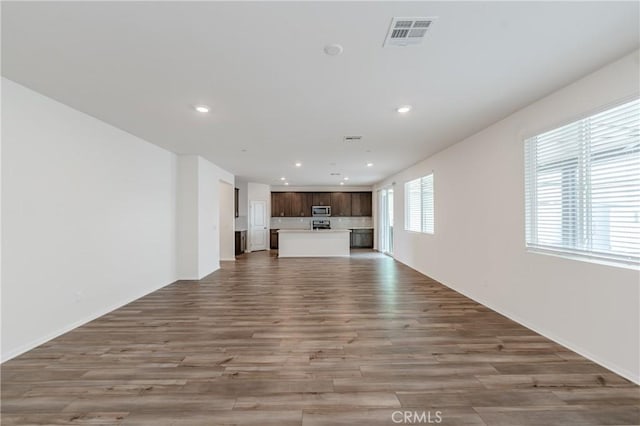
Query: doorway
[
  {"x": 385, "y": 197},
  {"x": 226, "y": 215},
  {"x": 258, "y": 225}
]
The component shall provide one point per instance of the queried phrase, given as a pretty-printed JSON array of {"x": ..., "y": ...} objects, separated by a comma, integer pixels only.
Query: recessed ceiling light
[
  {"x": 201, "y": 108},
  {"x": 298, "y": 164},
  {"x": 341, "y": 183},
  {"x": 333, "y": 49},
  {"x": 286, "y": 183},
  {"x": 283, "y": 178},
  {"x": 346, "y": 178},
  {"x": 369, "y": 164},
  {"x": 404, "y": 109}
]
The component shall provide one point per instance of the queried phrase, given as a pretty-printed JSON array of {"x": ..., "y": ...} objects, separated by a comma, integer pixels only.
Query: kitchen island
[{"x": 317, "y": 243}]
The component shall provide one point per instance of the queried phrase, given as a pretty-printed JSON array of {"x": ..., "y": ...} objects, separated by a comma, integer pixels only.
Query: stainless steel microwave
[{"x": 320, "y": 211}]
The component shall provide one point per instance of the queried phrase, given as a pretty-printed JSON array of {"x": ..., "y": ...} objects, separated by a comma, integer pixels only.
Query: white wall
[
  {"x": 187, "y": 217},
  {"x": 88, "y": 218},
  {"x": 208, "y": 216},
  {"x": 227, "y": 215},
  {"x": 479, "y": 250},
  {"x": 93, "y": 218},
  {"x": 198, "y": 216}
]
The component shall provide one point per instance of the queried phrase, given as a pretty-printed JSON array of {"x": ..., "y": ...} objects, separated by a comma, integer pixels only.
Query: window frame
[
  {"x": 421, "y": 199},
  {"x": 582, "y": 223}
]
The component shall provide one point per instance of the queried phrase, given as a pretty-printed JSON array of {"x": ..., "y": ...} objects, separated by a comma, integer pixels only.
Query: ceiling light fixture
[
  {"x": 202, "y": 108},
  {"x": 404, "y": 109},
  {"x": 346, "y": 178},
  {"x": 298, "y": 164},
  {"x": 369, "y": 164},
  {"x": 283, "y": 178},
  {"x": 341, "y": 183},
  {"x": 286, "y": 183}
]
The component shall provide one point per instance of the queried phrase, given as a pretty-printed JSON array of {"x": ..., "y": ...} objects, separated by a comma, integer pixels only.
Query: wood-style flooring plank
[{"x": 342, "y": 341}]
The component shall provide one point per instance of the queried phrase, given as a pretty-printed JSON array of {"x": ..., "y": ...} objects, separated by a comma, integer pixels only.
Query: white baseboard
[
  {"x": 551, "y": 336},
  {"x": 49, "y": 336},
  {"x": 629, "y": 375}
]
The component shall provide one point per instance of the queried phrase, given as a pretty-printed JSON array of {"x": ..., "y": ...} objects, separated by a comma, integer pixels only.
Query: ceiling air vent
[
  {"x": 350, "y": 139},
  {"x": 405, "y": 31}
]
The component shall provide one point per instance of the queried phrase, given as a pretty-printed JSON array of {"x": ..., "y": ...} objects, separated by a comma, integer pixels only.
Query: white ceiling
[{"x": 274, "y": 93}]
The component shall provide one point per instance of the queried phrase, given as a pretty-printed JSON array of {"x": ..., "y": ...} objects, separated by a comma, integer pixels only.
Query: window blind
[
  {"x": 427, "y": 203},
  {"x": 419, "y": 205},
  {"x": 582, "y": 186}
]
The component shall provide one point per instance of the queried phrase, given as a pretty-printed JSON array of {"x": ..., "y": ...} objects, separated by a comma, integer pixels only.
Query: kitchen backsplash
[
  {"x": 241, "y": 223},
  {"x": 336, "y": 222}
]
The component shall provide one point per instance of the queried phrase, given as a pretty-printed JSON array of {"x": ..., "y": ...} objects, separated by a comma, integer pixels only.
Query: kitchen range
[{"x": 320, "y": 224}]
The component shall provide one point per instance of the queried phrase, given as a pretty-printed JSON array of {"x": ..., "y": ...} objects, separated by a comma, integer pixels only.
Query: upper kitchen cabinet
[
  {"x": 340, "y": 204},
  {"x": 281, "y": 204},
  {"x": 301, "y": 203},
  {"x": 361, "y": 204},
  {"x": 298, "y": 204},
  {"x": 321, "y": 198}
]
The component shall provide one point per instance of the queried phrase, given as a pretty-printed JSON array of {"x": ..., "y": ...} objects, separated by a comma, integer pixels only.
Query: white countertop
[{"x": 309, "y": 231}]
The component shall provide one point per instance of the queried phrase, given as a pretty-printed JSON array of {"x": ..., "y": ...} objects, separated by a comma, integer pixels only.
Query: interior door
[{"x": 258, "y": 225}]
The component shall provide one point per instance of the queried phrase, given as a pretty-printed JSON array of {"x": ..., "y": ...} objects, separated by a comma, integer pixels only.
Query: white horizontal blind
[
  {"x": 413, "y": 206},
  {"x": 582, "y": 186},
  {"x": 427, "y": 203},
  {"x": 419, "y": 205}
]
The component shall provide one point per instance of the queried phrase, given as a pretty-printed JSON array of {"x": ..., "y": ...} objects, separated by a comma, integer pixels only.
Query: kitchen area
[{"x": 320, "y": 223}]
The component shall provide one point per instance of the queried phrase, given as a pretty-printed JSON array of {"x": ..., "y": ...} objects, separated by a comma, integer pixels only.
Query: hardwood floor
[{"x": 268, "y": 341}]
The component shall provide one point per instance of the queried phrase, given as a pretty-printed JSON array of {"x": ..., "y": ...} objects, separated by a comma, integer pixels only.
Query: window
[
  {"x": 418, "y": 195},
  {"x": 582, "y": 187}
]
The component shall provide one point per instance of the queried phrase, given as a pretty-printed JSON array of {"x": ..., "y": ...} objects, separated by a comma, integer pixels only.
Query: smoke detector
[
  {"x": 406, "y": 31},
  {"x": 333, "y": 49}
]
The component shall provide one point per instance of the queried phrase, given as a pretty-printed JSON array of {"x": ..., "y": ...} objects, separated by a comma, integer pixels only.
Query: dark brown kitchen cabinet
[
  {"x": 361, "y": 204},
  {"x": 281, "y": 204},
  {"x": 273, "y": 240},
  {"x": 321, "y": 198},
  {"x": 301, "y": 203},
  {"x": 362, "y": 238},
  {"x": 241, "y": 242},
  {"x": 340, "y": 204},
  {"x": 298, "y": 204}
]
